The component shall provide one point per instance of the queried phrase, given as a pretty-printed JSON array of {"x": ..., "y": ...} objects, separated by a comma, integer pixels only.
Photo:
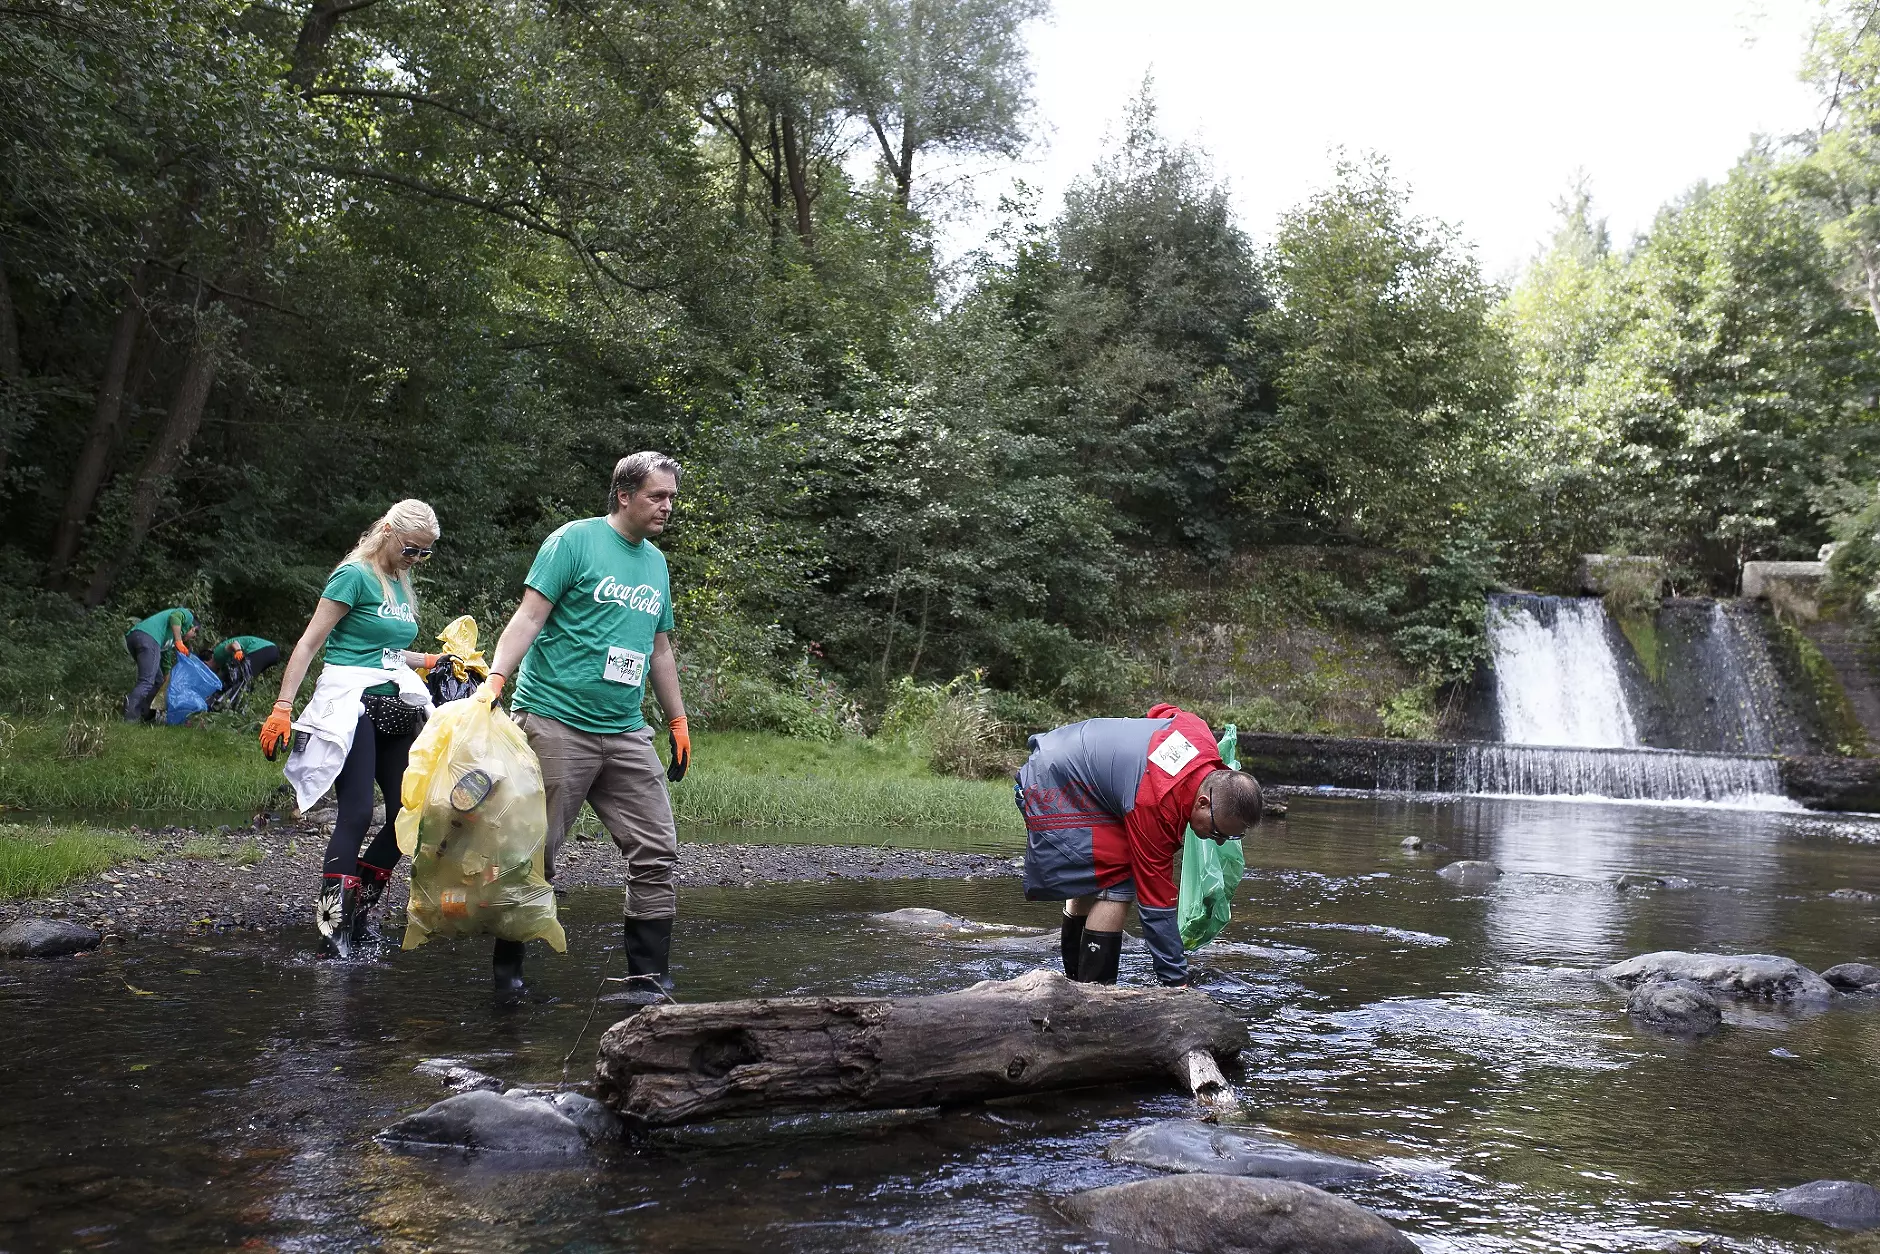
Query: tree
[
  {"x": 1141, "y": 297},
  {"x": 941, "y": 75},
  {"x": 1735, "y": 401},
  {"x": 1839, "y": 174},
  {"x": 1392, "y": 383},
  {"x": 1556, "y": 499}
]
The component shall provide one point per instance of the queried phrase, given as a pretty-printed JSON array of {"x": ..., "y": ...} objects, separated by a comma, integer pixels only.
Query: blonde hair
[{"x": 407, "y": 515}]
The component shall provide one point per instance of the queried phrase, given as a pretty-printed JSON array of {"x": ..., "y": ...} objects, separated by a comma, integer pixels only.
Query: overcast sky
[{"x": 1485, "y": 107}]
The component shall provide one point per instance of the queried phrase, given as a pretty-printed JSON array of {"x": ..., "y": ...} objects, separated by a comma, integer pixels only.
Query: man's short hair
[
  {"x": 630, "y": 474},
  {"x": 1238, "y": 800}
]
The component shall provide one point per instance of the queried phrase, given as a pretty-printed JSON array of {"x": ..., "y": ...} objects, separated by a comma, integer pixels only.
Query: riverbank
[
  {"x": 180, "y": 880},
  {"x": 93, "y": 769}
]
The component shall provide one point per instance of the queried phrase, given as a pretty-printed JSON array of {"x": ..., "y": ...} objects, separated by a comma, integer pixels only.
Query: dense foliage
[{"x": 266, "y": 267}]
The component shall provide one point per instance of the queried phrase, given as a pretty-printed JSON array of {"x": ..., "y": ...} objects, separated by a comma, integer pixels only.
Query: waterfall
[
  {"x": 1622, "y": 774},
  {"x": 1556, "y": 678},
  {"x": 1735, "y": 663}
]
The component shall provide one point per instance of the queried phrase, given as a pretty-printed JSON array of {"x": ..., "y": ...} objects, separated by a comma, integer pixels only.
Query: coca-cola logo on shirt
[
  {"x": 389, "y": 609},
  {"x": 643, "y": 597}
]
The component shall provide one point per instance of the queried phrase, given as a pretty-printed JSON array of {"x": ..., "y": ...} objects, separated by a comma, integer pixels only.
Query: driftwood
[{"x": 677, "y": 1063}]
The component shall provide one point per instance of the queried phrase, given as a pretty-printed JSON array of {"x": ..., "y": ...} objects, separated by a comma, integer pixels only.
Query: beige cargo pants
[{"x": 622, "y": 778}]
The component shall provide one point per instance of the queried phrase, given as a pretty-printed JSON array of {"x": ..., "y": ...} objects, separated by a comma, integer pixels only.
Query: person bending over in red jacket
[{"x": 1106, "y": 804}]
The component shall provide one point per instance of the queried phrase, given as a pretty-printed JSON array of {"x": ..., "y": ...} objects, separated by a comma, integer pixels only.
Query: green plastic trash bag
[{"x": 1210, "y": 873}]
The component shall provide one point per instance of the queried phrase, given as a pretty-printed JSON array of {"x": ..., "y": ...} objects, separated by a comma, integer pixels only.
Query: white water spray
[{"x": 1556, "y": 679}]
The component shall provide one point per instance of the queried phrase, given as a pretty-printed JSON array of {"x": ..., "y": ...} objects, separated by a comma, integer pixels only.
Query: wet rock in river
[
  {"x": 459, "y": 1077},
  {"x": 1839, "y": 1203},
  {"x": 1678, "y": 1007},
  {"x": 483, "y": 1120},
  {"x": 45, "y": 938},
  {"x": 1471, "y": 874},
  {"x": 1853, "y": 977},
  {"x": 1212, "y": 1214},
  {"x": 596, "y": 1122},
  {"x": 923, "y": 922},
  {"x": 1751, "y": 977},
  {"x": 1411, "y": 842},
  {"x": 1853, "y": 894},
  {"x": 1188, "y": 1145},
  {"x": 1654, "y": 883}
]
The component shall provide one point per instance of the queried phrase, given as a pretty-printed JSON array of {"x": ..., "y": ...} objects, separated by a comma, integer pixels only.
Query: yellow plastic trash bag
[
  {"x": 474, "y": 823},
  {"x": 460, "y": 641}
]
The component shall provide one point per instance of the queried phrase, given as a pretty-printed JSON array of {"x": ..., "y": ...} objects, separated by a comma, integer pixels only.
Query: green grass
[
  {"x": 737, "y": 779},
  {"x": 756, "y": 780},
  {"x": 137, "y": 768},
  {"x": 35, "y": 861}
]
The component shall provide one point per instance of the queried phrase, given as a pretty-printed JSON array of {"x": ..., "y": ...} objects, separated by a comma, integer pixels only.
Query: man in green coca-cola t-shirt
[{"x": 593, "y": 630}]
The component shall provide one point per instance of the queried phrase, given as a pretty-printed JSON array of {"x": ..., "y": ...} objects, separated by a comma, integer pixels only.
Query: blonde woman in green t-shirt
[{"x": 363, "y": 627}]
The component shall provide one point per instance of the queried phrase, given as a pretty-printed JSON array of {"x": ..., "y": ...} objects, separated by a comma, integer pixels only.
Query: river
[{"x": 188, "y": 1094}]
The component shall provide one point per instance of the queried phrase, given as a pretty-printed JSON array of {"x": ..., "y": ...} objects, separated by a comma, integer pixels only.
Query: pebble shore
[{"x": 265, "y": 877}]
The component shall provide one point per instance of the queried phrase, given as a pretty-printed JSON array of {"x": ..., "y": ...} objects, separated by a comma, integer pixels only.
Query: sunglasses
[{"x": 412, "y": 550}]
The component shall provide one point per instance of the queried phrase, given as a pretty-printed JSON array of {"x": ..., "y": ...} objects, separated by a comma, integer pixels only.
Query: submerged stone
[
  {"x": 482, "y": 1120},
  {"x": 596, "y": 1122},
  {"x": 1751, "y": 977},
  {"x": 1471, "y": 874},
  {"x": 1654, "y": 883},
  {"x": 1411, "y": 842},
  {"x": 459, "y": 1077},
  {"x": 1186, "y": 1145},
  {"x": 1839, "y": 1203},
  {"x": 924, "y": 922},
  {"x": 45, "y": 938},
  {"x": 1677, "y": 1007},
  {"x": 1853, "y": 977},
  {"x": 1213, "y": 1214}
]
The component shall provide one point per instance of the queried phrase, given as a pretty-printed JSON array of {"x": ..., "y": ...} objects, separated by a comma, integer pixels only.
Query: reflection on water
[{"x": 179, "y": 1095}]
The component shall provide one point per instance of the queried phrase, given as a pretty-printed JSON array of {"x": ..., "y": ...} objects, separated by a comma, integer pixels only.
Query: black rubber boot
[
  {"x": 1071, "y": 942},
  {"x": 506, "y": 970},
  {"x": 649, "y": 955},
  {"x": 372, "y": 882},
  {"x": 1098, "y": 957},
  {"x": 336, "y": 913}
]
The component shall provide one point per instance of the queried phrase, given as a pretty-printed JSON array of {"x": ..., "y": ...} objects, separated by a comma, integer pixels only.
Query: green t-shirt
[
  {"x": 587, "y": 668},
  {"x": 223, "y": 653},
  {"x": 157, "y": 626},
  {"x": 373, "y": 626}
]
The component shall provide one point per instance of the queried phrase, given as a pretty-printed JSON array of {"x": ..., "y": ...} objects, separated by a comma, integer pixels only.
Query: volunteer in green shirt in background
[
  {"x": 243, "y": 657},
  {"x": 594, "y": 627},
  {"x": 366, "y": 618},
  {"x": 167, "y": 631}
]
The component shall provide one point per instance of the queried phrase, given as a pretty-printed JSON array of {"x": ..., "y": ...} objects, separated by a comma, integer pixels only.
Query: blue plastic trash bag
[
  {"x": 1210, "y": 873},
  {"x": 192, "y": 683}
]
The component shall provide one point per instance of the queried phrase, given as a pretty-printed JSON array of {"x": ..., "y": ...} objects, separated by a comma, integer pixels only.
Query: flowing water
[
  {"x": 186, "y": 1095},
  {"x": 1556, "y": 677}
]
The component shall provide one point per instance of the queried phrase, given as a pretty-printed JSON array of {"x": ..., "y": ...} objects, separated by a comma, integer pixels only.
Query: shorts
[{"x": 1123, "y": 890}]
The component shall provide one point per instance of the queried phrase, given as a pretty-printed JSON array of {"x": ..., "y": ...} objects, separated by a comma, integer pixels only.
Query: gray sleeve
[{"x": 1164, "y": 937}]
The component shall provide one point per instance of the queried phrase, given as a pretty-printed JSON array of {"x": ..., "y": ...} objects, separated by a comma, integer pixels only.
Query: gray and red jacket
[{"x": 1107, "y": 800}]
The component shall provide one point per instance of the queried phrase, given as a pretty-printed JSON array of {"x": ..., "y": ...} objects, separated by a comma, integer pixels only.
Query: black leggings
[{"x": 374, "y": 759}]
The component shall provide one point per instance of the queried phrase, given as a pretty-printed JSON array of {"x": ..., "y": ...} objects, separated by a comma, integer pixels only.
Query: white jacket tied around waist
[{"x": 332, "y": 717}]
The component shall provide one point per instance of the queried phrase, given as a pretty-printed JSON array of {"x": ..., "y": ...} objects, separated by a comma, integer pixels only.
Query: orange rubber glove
[
  {"x": 681, "y": 749},
  {"x": 239, "y": 655},
  {"x": 430, "y": 660},
  {"x": 182, "y": 649},
  {"x": 278, "y": 731}
]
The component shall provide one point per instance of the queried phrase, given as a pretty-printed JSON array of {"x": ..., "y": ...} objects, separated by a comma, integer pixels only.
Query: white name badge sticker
[
  {"x": 391, "y": 659},
  {"x": 1174, "y": 753},
  {"x": 624, "y": 666}
]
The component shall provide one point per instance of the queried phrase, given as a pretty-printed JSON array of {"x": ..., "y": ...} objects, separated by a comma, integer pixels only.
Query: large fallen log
[{"x": 673, "y": 1064}]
